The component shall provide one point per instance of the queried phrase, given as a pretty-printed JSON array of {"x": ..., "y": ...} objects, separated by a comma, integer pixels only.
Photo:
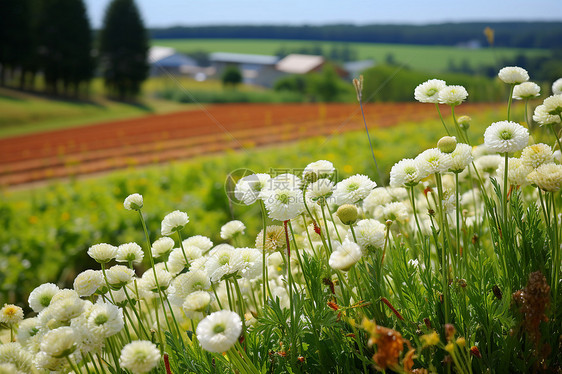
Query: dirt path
[{"x": 180, "y": 135}]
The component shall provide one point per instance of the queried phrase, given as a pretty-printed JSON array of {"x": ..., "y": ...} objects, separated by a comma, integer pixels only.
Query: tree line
[
  {"x": 507, "y": 34},
  {"x": 53, "y": 40}
]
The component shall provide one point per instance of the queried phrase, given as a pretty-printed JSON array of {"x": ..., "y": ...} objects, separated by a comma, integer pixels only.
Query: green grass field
[{"x": 429, "y": 58}]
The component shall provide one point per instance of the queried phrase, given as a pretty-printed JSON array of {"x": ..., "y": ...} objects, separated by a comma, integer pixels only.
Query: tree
[
  {"x": 16, "y": 47},
  {"x": 231, "y": 76},
  {"x": 123, "y": 49},
  {"x": 65, "y": 44}
]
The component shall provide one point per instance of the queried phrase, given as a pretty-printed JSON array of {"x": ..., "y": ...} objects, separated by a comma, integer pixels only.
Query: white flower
[
  {"x": 283, "y": 204},
  {"x": 404, "y": 173},
  {"x": 200, "y": 241},
  {"x": 27, "y": 329},
  {"x": 376, "y": 198},
  {"x": 45, "y": 361},
  {"x": 274, "y": 238},
  {"x": 59, "y": 342},
  {"x": 320, "y": 168},
  {"x": 13, "y": 353},
  {"x": 320, "y": 189},
  {"x": 432, "y": 161},
  {"x": 370, "y": 234},
  {"x": 219, "y": 331},
  {"x": 102, "y": 253},
  {"x": 428, "y": 92},
  {"x": 452, "y": 95},
  {"x": 105, "y": 319},
  {"x": 461, "y": 157},
  {"x": 506, "y": 136},
  {"x": 8, "y": 368},
  {"x": 526, "y": 90},
  {"x": 513, "y": 75},
  {"x": 177, "y": 260},
  {"x": 230, "y": 229},
  {"x": 547, "y": 177},
  {"x": 196, "y": 301},
  {"x": 488, "y": 163},
  {"x": 353, "y": 189},
  {"x": 345, "y": 255},
  {"x": 252, "y": 261},
  {"x": 187, "y": 283},
  {"x": 129, "y": 252},
  {"x": 395, "y": 211},
  {"x": 67, "y": 307},
  {"x": 174, "y": 222},
  {"x": 87, "y": 282},
  {"x": 517, "y": 172},
  {"x": 542, "y": 117},
  {"x": 139, "y": 356},
  {"x": 557, "y": 87},
  {"x": 133, "y": 202},
  {"x": 224, "y": 261},
  {"x": 248, "y": 188},
  {"x": 162, "y": 246},
  {"x": 119, "y": 275},
  {"x": 537, "y": 154},
  {"x": 148, "y": 282},
  {"x": 553, "y": 105},
  {"x": 11, "y": 314}
]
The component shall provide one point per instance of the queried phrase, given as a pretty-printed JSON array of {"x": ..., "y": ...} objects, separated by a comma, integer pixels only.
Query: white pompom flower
[
  {"x": 87, "y": 282},
  {"x": 139, "y": 356},
  {"x": 102, "y": 253},
  {"x": 318, "y": 169},
  {"x": 428, "y": 92},
  {"x": 118, "y": 276},
  {"x": 60, "y": 342},
  {"x": 162, "y": 246},
  {"x": 506, "y": 137},
  {"x": 432, "y": 161},
  {"x": 557, "y": 87},
  {"x": 283, "y": 204},
  {"x": 178, "y": 256},
  {"x": 219, "y": 331},
  {"x": 513, "y": 75},
  {"x": 11, "y": 314},
  {"x": 553, "y": 105},
  {"x": 345, "y": 255},
  {"x": 105, "y": 319},
  {"x": 231, "y": 229},
  {"x": 320, "y": 190},
  {"x": 526, "y": 91},
  {"x": 370, "y": 234},
  {"x": 148, "y": 281},
  {"x": 130, "y": 253},
  {"x": 452, "y": 95},
  {"x": 133, "y": 202},
  {"x": 537, "y": 154},
  {"x": 248, "y": 188},
  {"x": 517, "y": 172},
  {"x": 461, "y": 157},
  {"x": 174, "y": 222},
  {"x": 405, "y": 173},
  {"x": 353, "y": 189},
  {"x": 199, "y": 241},
  {"x": 547, "y": 177},
  {"x": 543, "y": 118}
]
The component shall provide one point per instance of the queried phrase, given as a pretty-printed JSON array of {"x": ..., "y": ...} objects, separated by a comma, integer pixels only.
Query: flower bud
[
  {"x": 447, "y": 144},
  {"x": 347, "y": 213},
  {"x": 133, "y": 202},
  {"x": 464, "y": 122}
]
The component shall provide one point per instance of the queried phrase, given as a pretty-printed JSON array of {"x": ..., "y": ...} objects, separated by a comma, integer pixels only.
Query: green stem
[
  {"x": 509, "y": 102},
  {"x": 444, "y": 262},
  {"x": 326, "y": 226},
  {"x": 505, "y": 173},
  {"x": 555, "y": 253},
  {"x": 442, "y": 120},
  {"x": 264, "y": 262},
  {"x": 458, "y": 229},
  {"x": 76, "y": 368},
  {"x": 459, "y": 131},
  {"x": 556, "y": 137}
]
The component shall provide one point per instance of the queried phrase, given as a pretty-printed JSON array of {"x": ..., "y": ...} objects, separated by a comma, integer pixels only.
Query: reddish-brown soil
[{"x": 181, "y": 135}]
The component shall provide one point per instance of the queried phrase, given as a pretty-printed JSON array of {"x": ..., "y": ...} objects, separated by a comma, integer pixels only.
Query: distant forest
[{"x": 507, "y": 34}]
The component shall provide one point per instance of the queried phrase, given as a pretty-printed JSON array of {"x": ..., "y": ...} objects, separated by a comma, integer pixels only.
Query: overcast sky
[{"x": 162, "y": 13}]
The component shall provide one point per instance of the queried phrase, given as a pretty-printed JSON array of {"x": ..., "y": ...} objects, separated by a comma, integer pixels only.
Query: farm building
[
  {"x": 163, "y": 59},
  {"x": 304, "y": 64},
  {"x": 255, "y": 69}
]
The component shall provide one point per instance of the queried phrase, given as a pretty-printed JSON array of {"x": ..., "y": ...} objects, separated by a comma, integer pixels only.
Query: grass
[{"x": 428, "y": 58}]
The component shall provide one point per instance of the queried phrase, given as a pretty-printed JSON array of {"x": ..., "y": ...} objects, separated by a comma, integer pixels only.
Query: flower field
[{"x": 448, "y": 260}]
